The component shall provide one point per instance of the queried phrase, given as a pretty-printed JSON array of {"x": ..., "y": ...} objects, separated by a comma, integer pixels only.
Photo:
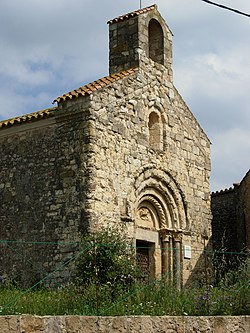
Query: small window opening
[
  {"x": 154, "y": 131},
  {"x": 155, "y": 42}
]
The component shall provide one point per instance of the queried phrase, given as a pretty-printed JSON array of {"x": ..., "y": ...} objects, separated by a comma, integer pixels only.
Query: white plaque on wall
[{"x": 187, "y": 251}]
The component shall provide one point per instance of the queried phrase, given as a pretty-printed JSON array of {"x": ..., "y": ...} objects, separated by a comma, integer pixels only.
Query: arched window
[
  {"x": 154, "y": 127},
  {"x": 155, "y": 41}
]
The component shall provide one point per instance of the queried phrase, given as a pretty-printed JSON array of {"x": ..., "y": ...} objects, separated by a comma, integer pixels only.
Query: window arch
[
  {"x": 155, "y": 131},
  {"x": 156, "y": 41}
]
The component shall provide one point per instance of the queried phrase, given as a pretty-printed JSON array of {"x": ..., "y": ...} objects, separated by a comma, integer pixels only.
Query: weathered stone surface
[
  {"x": 43, "y": 177},
  {"x": 9, "y": 324},
  {"x": 55, "y": 324},
  {"x": 231, "y": 222},
  {"x": 243, "y": 216},
  {"x": 129, "y": 151},
  {"x": 134, "y": 324},
  {"x": 32, "y": 324},
  {"x": 129, "y": 39},
  {"x": 77, "y": 324}
]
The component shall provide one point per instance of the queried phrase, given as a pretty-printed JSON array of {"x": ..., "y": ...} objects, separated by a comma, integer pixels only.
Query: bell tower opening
[
  {"x": 156, "y": 41},
  {"x": 137, "y": 36}
]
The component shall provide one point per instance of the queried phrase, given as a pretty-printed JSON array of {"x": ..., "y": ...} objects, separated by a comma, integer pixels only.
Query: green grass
[
  {"x": 119, "y": 293},
  {"x": 155, "y": 299}
]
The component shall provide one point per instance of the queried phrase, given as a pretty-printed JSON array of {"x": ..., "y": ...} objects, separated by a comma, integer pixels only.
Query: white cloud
[
  {"x": 50, "y": 47},
  {"x": 14, "y": 104},
  {"x": 216, "y": 87},
  {"x": 24, "y": 74},
  {"x": 231, "y": 154}
]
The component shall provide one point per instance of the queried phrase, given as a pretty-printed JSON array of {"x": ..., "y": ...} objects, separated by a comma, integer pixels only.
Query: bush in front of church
[{"x": 107, "y": 258}]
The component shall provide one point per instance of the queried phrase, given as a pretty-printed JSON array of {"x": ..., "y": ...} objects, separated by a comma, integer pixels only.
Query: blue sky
[{"x": 49, "y": 47}]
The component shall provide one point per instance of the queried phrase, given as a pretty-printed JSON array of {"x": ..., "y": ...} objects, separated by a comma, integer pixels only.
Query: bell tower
[{"x": 139, "y": 34}]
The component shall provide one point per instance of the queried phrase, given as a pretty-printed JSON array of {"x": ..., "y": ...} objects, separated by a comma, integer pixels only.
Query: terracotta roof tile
[
  {"x": 132, "y": 14},
  {"x": 90, "y": 88},
  {"x": 27, "y": 118}
]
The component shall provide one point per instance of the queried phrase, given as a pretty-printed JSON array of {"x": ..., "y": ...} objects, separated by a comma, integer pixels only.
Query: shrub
[{"x": 107, "y": 258}]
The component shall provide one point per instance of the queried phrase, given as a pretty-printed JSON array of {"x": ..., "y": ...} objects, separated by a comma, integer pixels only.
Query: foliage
[
  {"x": 230, "y": 297},
  {"x": 155, "y": 299},
  {"x": 107, "y": 259},
  {"x": 107, "y": 284}
]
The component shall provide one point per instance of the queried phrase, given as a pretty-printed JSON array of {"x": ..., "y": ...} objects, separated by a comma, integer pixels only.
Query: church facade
[{"x": 124, "y": 149}]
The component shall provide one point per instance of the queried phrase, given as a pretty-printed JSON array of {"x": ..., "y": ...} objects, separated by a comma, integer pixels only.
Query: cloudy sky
[{"x": 49, "y": 47}]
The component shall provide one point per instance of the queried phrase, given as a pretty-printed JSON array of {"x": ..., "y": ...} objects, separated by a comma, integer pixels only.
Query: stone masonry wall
[
  {"x": 231, "y": 223},
  {"x": 100, "y": 155},
  {"x": 43, "y": 177},
  {"x": 129, "y": 39},
  {"x": 123, "y": 43},
  {"x": 231, "y": 217},
  {"x": 243, "y": 218},
  {"x": 122, "y": 152},
  {"x": 135, "y": 324},
  {"x": 224, "y": 228}
]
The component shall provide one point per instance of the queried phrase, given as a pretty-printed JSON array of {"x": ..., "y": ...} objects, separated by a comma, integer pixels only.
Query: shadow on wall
[
  {"x": 202, "y": 274},
  {"x": 231, "y": 226}
]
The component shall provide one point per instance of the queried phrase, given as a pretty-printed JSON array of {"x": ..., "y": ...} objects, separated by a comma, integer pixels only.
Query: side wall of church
[
  {"x": 43, "y": 176},
  {"x": 244, "y": 212},
  {"x": 231, "y": 217},
  {"x": 231, "y": 224},
  {"x": 123, "y": 153},
  {"x": 224, "y": 228}
]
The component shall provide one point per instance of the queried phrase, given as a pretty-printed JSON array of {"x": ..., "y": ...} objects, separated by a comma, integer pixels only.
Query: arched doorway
[{"x": 160, "y": 220}]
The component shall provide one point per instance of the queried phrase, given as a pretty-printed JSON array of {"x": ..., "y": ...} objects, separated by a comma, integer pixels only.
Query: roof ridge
[
  {"x": 41, "y": 114},
  {"x": 87, "y": 89},
  {"x": 91, "y": 87},
  {"x": 132, "y": 14}
]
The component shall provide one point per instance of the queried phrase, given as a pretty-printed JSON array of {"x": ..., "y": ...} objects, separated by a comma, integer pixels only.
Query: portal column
[
  {"x": 177, "y": 242},
  {"x": 166, "y": 256}
]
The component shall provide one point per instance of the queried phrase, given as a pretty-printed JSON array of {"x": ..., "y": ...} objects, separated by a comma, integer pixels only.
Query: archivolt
[{"x": 160, "y": 189}]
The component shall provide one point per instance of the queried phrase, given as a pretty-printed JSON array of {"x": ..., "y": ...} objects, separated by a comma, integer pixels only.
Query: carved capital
[
  {"x": 165, "y": 235},
  {"x": 177, "y": 236}
]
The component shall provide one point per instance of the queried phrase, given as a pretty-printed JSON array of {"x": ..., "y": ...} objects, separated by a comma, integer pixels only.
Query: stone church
[{"x": 124, "y": 149}]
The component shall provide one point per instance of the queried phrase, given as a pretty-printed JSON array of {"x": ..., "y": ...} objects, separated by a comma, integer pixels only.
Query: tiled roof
[
  {"x": 90, "y": 88},
  {"x": 82, "y": 91},
  {"x": 132, "y": 14},
  {"x": 43, "y": 114}
]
